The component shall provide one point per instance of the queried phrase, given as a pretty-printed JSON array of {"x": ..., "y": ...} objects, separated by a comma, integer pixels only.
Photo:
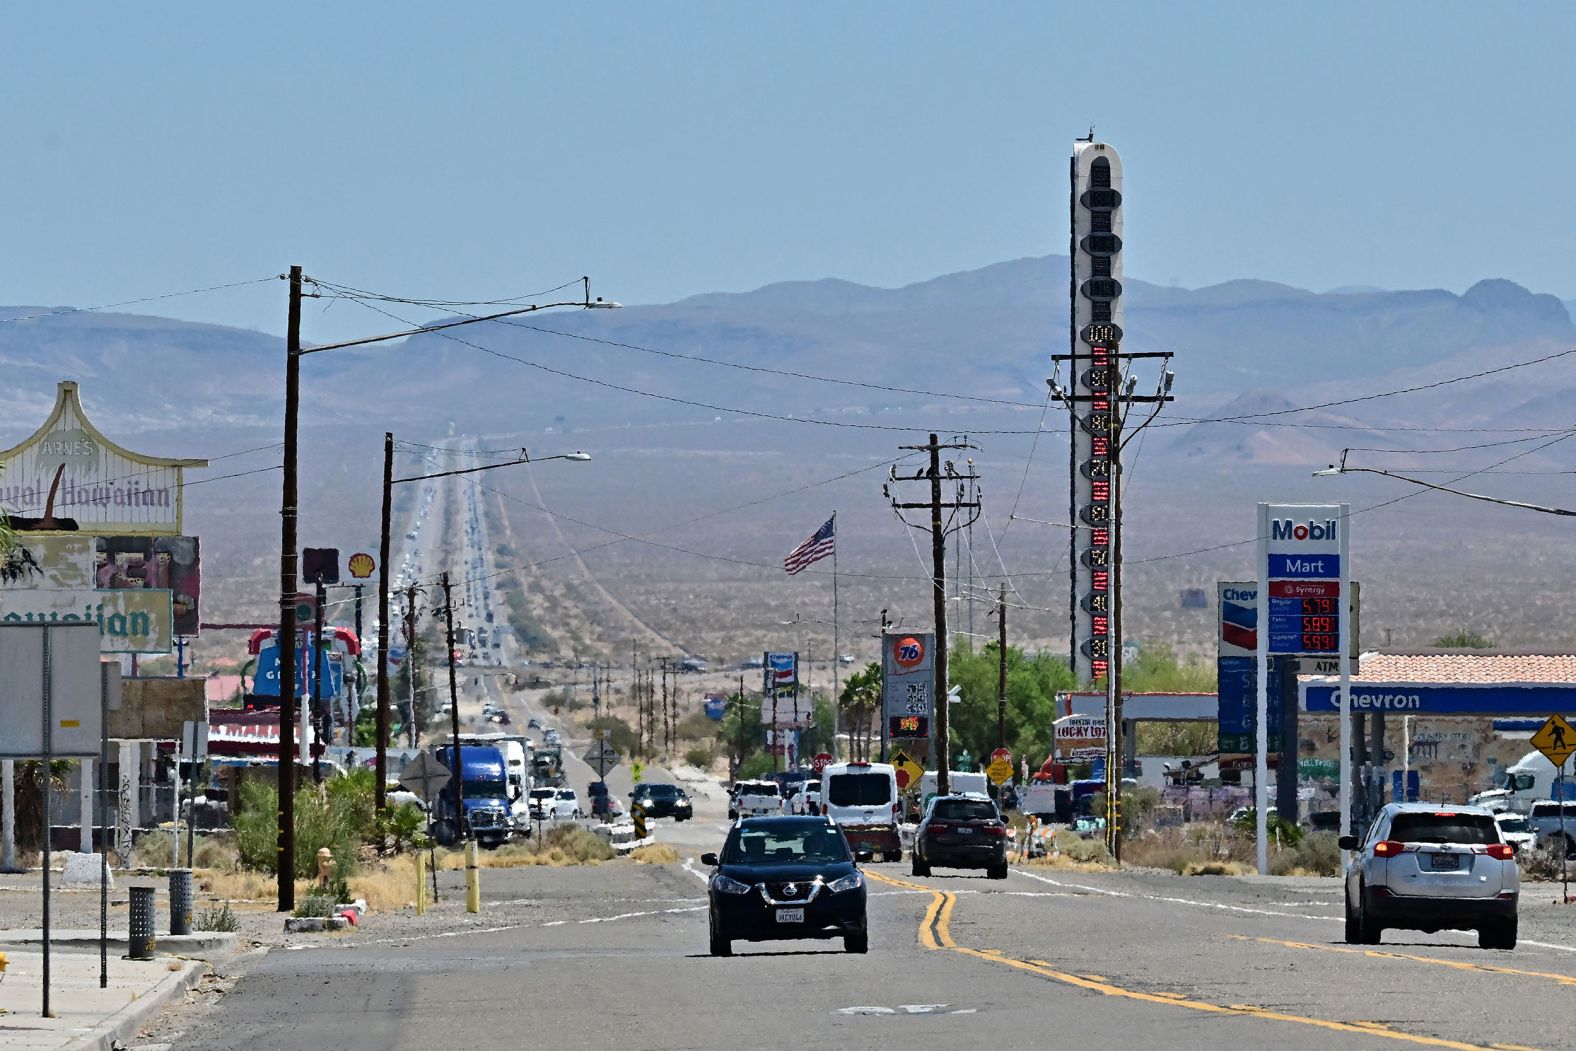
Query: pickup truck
[
  {"x": 1545, "y": 823},
  {"x": 755, "y": 799}
]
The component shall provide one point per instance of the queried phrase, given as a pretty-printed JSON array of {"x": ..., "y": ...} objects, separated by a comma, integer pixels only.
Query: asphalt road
[{"x": 615, "y": 956}]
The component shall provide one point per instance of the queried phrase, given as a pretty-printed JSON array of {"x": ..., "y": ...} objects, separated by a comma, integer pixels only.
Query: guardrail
[{"x": 621, "y": 836}]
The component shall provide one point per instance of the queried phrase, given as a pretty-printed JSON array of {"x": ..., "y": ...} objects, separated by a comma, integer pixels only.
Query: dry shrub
[
  {"x": 237, "y": 884},
  {"x": 1216, "y": 868},
  {"x": 654, "y": 854},
  {"x": 388, "y": 885}
]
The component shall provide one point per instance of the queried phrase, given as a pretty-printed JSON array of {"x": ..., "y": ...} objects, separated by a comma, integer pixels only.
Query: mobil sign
[{"x": 1302, "y": 548}]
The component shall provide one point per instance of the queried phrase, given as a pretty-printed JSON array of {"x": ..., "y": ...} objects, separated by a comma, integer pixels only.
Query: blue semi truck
[{"x": 484, "y": 794}]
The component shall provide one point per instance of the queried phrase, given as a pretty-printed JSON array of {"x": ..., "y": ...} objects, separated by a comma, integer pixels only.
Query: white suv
[{"x": 1429, "y": 867}]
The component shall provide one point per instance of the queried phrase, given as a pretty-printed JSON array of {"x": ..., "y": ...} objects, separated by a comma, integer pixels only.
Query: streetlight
[
  {"x": 389, "y": 482},
  {"x": 1332, "y": 471},
  {"x": 288, "y": 554}
]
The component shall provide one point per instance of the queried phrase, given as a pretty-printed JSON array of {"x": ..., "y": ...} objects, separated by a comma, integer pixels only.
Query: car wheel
[
  {"x": 917, "y": 867},
  {"x": 859, "y": 943},
  {"x": 892, "y": 855},
  {"x": 1369, "y": 930},
  {"x": 1498, "y": 934},
  {"x": 998, "y": 871},
  {"x": 720, "y": 946},
  {"x": 1354, "y": 930}
]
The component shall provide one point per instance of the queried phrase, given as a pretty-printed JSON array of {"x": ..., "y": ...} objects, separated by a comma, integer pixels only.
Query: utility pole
[
  {"x": 456, "y": 776},
  {"x": 410, "y": 662},
  {"x": 380, "y": 790},
  {"x": 315, "y": 674},
  {"x": 740, "y": 761},
  {"x": 667, "y": 731},
  {"x": 935, "y": 474},
  {"x": 285, "y": 856},
  {"x": 1001, "y": 670}
]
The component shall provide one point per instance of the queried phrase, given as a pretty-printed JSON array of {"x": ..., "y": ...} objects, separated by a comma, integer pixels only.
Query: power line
[
  {"x": 1189, "y": 421},
  {"x": 145, "y": 299},
  {"x": 351, "y": 292},
  {"x": 809, "y": 420},
  {"x": 787, "y": 373}
]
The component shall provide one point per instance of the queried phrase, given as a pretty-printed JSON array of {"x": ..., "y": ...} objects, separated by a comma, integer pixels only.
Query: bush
[
  {"x": 1315, "y": 854},
  {"x": 619, "y": 734},
  {"x": 337, "y": 815},
  {"x": 406, "y": 826},
  {"x": 700, "y": 757},
  {"x": 758, "y": 765},
  {"x": 578, "y": 843},
  {"x": 316, "y": 904},
  {"x": 220, "y": 919},
  {"x": 1074, "y": 846}
]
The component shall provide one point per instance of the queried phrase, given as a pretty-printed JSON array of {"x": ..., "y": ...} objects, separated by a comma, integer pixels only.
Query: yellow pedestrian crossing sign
[{"x": 1556, "y": 739}]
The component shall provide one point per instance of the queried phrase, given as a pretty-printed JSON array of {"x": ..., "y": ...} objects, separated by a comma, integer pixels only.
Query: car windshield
[
  {"x": 658, "y": 791},
  {"x": 566, "y": 795},
  {"x": 791, "y": 845},
  {"x": 1514, "y": 824},
  {"x": 1444, "y": 827},
  {"x": 481, "y": 789},
  {"x": 964, "y": 810},
  {"x": 859, "y": 790}
]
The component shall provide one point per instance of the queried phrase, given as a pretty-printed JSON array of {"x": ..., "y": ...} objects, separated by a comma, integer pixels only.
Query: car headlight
[
  {"x": 728, "y": 885},
  {"x": 852, "y": 881}
]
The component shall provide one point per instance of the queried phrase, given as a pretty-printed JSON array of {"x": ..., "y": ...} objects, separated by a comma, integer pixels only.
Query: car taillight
[
  {"x": 939, "y": 826},
  {"x": 995, "y": 830},
  {"x": 1388, "y": 848},
  {"x": 1502, "y": 851}
]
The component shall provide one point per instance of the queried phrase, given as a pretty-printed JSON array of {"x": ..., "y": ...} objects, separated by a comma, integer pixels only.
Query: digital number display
[
  {"x": 1305, "y": 624},
  {"x": 908, "y": 726}
]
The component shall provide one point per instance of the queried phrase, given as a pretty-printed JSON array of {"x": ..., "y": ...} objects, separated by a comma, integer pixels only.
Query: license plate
[
  {"x": 790, "y": 915},
  {"x": 1443, "y": 862},
  {"x": 964, "y": 831}
]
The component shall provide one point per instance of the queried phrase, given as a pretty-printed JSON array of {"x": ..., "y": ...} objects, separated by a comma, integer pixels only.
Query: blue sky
[{"x": 487, "y": 149}]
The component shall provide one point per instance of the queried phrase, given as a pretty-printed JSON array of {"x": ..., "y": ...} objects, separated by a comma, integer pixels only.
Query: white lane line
[
  {"x": 1177, "y": 901},
  {"x": 1547, "y": 945},
  {"x": 689, "y": 866}
]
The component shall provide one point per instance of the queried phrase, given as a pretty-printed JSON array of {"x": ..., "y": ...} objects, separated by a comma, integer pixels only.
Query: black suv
[
  {"x": 660, "y": 800},
  {"x": 786, "y": 877},
  {"x": 964, "y": 832}
]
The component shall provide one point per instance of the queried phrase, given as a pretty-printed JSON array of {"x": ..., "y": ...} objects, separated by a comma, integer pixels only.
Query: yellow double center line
[{"x": 935, "y": 933}]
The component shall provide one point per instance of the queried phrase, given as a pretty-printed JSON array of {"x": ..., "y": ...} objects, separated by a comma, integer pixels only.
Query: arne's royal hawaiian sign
[{"x": 67, "y": 477}]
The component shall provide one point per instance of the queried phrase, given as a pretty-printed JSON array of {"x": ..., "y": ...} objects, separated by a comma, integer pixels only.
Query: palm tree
[{"x": 860, "y": 698}]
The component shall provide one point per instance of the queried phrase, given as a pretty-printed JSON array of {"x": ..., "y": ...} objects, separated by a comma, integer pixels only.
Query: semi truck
[
  {"x": 484, "y": 797},
  {"x": 1527, "y": 780}
]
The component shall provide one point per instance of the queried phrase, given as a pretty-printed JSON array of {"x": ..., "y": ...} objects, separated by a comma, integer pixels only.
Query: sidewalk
[{"x": 85, "y": 1016}]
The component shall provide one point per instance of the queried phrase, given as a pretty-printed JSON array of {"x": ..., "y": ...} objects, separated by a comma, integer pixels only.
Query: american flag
[{"x": 819, "y": 545}]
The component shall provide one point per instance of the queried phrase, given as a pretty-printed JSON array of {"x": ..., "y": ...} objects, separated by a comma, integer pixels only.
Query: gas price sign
[
  {"x": 1302, "y": 548},
  {"x": 1305, "y": 616}
]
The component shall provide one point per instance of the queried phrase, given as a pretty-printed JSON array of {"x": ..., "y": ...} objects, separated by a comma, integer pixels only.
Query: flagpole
[{"x": 837, "y": 656}]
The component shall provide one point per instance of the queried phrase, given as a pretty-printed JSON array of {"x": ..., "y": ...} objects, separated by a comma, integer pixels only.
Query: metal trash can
[
  {"x": 140, "y": 942},
  {"x": 180, "y": 901}
]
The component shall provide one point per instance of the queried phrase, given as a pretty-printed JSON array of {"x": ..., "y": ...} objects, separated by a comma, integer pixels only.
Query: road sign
[
  {"x": 424, "y": 776},
  {"x": 820, "y": 761},
  {"x": 637, "y": 814},
  {"x": 1556, "y": 739},
  {"x": 636, "y": 768},
  {"x": 908, "y": 771},
  {"x": 602, "y": 757},
  {"x": 1000, "y": 768}
]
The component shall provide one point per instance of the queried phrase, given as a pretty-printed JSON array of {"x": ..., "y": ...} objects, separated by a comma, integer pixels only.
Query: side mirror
[
  {"x": 1348, "y": 843},
  {"x": 708, "y": 859},
  {"x": 863, "y": 856}
]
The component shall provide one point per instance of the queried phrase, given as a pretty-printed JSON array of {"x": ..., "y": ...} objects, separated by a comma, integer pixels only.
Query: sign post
[
  {"x": 1303, "y": 583},
  {"x": 1556, "y": 739}
]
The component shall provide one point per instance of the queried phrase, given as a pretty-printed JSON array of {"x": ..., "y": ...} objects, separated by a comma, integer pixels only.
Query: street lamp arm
[
  {"x": 576, "y": 456},
  {"x": 1446, "y": 489},
  {"x": 587, "y": 304}
]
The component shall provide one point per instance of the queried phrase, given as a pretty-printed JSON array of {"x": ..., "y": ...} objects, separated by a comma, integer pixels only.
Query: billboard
[
  {"x": 142, "y": 591},
  {"x": 908, "y": 674},
  {"x": 68, "y": 477},
  {"x": 781, "y": 705}
]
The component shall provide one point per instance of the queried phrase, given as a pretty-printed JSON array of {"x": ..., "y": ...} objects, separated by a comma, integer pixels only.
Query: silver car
[{"x": 1432, "y": 867}]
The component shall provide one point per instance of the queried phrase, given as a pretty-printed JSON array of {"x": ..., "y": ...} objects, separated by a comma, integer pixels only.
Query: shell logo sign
[{"x": 361, "y": 565}]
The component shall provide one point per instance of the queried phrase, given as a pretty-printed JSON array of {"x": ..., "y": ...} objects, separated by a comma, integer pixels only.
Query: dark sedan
[
  {"x": 961, "y": 831},
  {"x": 786, "y": 878},
  {"x": 659, "y": 800}
]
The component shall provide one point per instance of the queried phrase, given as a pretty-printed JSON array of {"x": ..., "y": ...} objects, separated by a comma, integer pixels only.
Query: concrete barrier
[{"x": 621, "y": 836}]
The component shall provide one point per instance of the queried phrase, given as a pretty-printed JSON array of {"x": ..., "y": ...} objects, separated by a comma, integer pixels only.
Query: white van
[{"x": 862, "y": 798}]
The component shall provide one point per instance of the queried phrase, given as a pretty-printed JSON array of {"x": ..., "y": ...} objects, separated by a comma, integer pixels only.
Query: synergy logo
[{"x": 1286, "y": 529}]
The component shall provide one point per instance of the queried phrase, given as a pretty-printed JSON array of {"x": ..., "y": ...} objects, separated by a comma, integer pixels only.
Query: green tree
[
  {"x": 821, "y": 736},
  {"x": 861, "y": 698},
  {"x": 739, "y": 734},
  {"x": 1032, "y": 686}
]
